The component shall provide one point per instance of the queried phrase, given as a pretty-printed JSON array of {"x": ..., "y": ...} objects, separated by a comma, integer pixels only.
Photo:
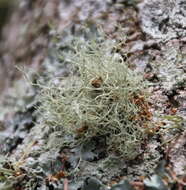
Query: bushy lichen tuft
[{"x": 103, "y": 97}]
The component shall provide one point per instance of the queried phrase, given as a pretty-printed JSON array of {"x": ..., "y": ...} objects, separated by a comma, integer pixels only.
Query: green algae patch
[{"x": 101, "y": 97}]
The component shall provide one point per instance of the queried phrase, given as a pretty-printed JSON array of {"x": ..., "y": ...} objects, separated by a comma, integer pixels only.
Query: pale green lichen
[{"x": 98, "y": 100}]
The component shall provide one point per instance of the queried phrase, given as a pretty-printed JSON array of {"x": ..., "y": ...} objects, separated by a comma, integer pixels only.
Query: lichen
[{"x": 102, "y": 97}]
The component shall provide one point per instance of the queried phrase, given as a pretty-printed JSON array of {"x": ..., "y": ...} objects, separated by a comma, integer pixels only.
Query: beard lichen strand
[{"x": 105, "y": 99}]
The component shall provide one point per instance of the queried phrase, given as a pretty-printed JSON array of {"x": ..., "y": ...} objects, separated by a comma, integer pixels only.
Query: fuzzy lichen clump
[{"x": 102, "y": 98}]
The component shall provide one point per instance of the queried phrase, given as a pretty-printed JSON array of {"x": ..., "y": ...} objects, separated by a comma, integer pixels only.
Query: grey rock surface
[{"x": 163, "y": 19}]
